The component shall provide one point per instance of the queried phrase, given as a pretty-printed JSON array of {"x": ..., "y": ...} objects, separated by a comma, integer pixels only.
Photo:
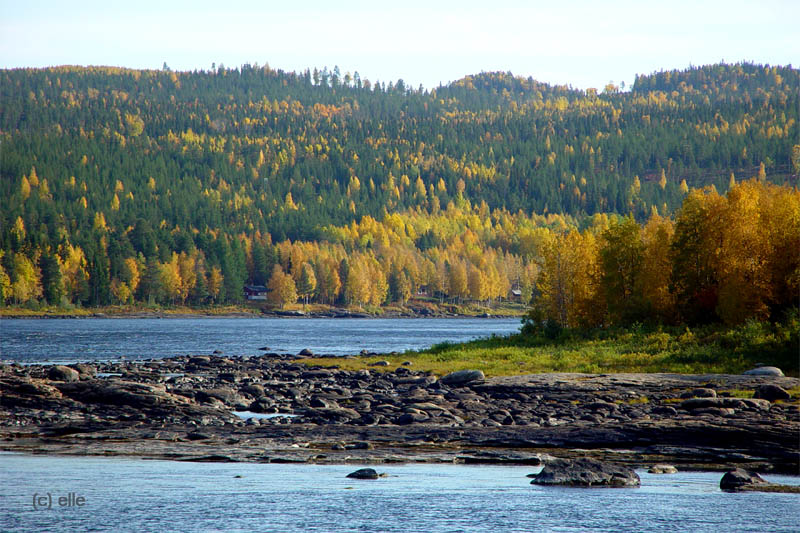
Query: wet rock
[
  {"x": 586, "y": 473},
  {"x": 662, "y": 469},
  {"x": 740, "y": 480},
  {"x": 364, "y": 473},
  {"x": 63, "y": 373},
  {"x": 737, "y": 478},
  {"x": 462, "y": 377},
  {"x": 764, "y": 371},
  {"x": 305, "y": 352},
  {"x": 771, "y": 393}
]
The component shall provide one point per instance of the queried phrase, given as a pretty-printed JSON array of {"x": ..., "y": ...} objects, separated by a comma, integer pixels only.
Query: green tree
[{"x": 52, "y": 281}]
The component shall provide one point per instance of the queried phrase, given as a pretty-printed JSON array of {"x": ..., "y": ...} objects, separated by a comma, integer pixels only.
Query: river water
[
  {"x": 89, "y": 339},
  {"x": 136, "y": 495}
]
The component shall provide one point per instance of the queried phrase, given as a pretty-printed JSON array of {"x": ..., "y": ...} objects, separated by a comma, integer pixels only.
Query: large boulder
[
  {"x": 771, "y": 392},
  {"x": 738, "y": 478},
  {"x": 462, "y": 377},
  {"x": 63, "y": 373},
  {"x": 586, "y": 473},
  {"x": 364, "y": 473},
  {"x": 765, "y": 371}
]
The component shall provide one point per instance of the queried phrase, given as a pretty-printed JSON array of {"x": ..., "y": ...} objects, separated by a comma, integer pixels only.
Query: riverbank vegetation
[{"x": 708, "y": 349}]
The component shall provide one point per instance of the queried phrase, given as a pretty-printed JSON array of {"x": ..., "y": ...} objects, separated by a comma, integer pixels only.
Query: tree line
[
  {"x": 727, "y": 258},
  {"x": 180, "y": 187}
]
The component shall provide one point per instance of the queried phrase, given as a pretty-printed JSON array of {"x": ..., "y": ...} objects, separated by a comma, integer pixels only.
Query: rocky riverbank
[{"x": 185, "y": 408}]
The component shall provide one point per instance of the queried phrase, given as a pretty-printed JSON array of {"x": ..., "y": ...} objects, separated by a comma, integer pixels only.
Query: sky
[{"x": 579, "y": 43}]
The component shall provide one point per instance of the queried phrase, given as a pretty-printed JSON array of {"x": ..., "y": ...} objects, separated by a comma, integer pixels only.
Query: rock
[
  {"x": 700, "y": 393},
  {"x": 335, "y": 413},
  {"x": 735, "y": 479},
  {"x": 86, "y": 371},
  {"x": 410, "y": 418},
  {"x": 771, "y": 393},
  {"x": 63, "y": 373},
  {"x": 693, "y": 404},
  {"x": 325, "y": 403},
  {"x": 406, "y": 363},
  {"x": 359, "y": 445},
  {"x": 462, "y": 377},
  {"x": 305, "y": 352},
  {"x": 225, "y": 395},
  {"x": 364, "y": 473},
  {"x": 665, "y": 410},
  {"x": 586, "y": 473},
  {"x": 380, "y": 363},
  {"x": 764, "y": 371},
  {"x": 662, "y": 469}
]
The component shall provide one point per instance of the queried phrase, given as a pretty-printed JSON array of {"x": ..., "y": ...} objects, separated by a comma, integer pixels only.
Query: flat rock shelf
[{"x": 184, "y": 408}]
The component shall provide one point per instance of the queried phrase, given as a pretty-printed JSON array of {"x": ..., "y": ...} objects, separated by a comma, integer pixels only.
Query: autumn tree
[
  {"x": 25, "y": 279},
  {"x": 621, "y": 255},
  {"x": 307, "y": 282},
  {"x": 698, "y": 236},
  {"x": 653, "y": 283},
  {"x": 281, "y": 287}
]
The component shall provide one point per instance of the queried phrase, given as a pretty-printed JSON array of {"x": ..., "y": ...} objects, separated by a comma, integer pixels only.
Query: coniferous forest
[{"x": 675, "y": 200}]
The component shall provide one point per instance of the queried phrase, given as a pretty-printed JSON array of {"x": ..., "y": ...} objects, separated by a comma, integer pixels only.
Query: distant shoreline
[{"x": 334, "y": 312}]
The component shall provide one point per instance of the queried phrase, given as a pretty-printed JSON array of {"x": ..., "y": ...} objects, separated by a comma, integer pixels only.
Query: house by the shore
[{"x": 255, "y": 292}]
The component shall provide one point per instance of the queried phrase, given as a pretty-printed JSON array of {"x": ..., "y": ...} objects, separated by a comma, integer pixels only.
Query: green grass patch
[{"x": 709, "y": 349}]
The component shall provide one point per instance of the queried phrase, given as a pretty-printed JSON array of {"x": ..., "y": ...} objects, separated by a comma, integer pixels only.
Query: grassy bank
[{"x": 709, "y": 349}]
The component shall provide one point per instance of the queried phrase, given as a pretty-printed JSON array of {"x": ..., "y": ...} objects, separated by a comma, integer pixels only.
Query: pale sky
[{"x": 582, "y": 43}]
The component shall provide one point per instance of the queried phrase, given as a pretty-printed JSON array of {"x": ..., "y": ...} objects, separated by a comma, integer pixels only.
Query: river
[
  {"x": 136, "y": 495},
  {"x": 108, "y": 339}
]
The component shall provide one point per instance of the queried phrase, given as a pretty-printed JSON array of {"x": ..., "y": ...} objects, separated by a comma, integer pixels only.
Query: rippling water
[
  {"x": 137, "y": 495},
  {"x": 70, "y": 340}
]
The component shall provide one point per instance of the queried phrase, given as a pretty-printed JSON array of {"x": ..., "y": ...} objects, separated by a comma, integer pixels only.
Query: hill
[{"x": 103, "y": 165}]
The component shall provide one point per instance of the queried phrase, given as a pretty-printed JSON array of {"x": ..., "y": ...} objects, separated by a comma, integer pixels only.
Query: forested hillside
[{"x": 180, "y": 187}]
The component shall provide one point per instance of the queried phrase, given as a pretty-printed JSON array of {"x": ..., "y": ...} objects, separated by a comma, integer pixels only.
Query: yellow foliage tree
[{"x": 282, "y": 289}]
